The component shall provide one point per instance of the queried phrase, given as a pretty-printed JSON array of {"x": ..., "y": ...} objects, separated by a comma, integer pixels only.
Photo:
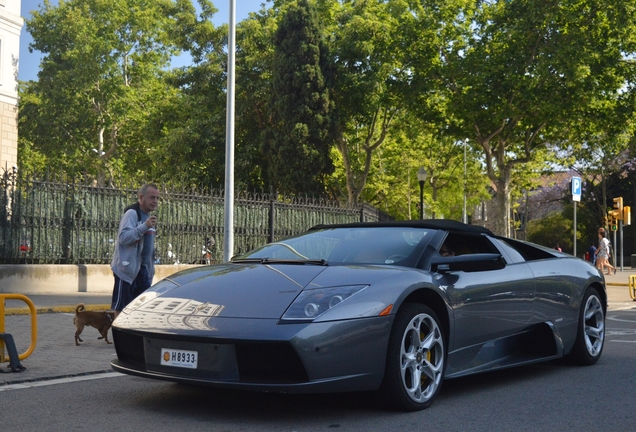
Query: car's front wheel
[
  {"x": 416, "y": 359},
  {"x": 590, "y": 336}
]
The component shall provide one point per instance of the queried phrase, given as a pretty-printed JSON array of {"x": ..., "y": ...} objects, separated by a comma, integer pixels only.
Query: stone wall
[
  {"x": 10, "y": 26},
  {"x": 66, "y": 279},
  {"x": 8, "y": 135}
]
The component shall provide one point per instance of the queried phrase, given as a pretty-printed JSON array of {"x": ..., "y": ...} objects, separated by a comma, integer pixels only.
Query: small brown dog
[{"x": 102, "y": 321}]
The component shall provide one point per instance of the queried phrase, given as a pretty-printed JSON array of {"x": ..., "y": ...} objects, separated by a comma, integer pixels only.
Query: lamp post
[
  {"x": 228, "y": 241},
  {"x": 421, "y": 177},
  {"x": 464, "y": 215}
]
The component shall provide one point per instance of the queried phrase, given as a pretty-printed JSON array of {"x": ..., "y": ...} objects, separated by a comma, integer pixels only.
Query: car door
[
  {"x": 489, "y": 299},
  {"x": 556, "y": 291},
  {"x": 558, "y": 280}
]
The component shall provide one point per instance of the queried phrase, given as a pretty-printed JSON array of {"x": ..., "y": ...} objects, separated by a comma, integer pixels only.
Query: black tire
[
  {"x": 590, "y": 337},
  {"x": 416, "y": 359}
]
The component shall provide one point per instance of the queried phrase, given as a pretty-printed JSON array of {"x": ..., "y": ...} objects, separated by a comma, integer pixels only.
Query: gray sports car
[{"x": 395, "y": 307}]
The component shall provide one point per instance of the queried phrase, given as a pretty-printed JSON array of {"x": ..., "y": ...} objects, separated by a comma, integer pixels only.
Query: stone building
[{"x": 10, "y": 26}]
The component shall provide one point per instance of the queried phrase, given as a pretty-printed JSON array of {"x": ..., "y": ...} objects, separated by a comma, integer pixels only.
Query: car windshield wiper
[{"x": 320, "y": 262}]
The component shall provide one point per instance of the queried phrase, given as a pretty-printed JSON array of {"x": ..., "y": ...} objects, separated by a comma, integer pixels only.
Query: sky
[{"x": 29, "y": 62}]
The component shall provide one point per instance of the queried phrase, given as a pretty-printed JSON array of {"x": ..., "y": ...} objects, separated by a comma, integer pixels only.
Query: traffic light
[
  {"x": 605, "y": 221},
  {"x": 618, "y": 205},
  {"x": 627, "y": 215},
  {"x": 614, "y": 218}
]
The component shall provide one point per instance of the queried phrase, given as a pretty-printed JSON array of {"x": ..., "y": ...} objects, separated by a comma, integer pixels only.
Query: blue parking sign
[{"x": 576, "y": 188}]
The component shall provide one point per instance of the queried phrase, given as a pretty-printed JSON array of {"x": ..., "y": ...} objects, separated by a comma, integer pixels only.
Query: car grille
[{"x": 257, "y": 362}]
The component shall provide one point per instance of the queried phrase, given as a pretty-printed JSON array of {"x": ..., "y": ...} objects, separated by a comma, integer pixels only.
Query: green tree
[
  {"x": 518, "y": 75},
  {"x": 370, "y": 82},
  {"x": 393, "y": 185},
  {"x": 189, "y": 127},
  {"x": 298, "y": 140},
  {"x": 254, "y": 56},
  {"x": 99, "y": 80},
  {"x": 600, "y": 150},
  {"x": 554, "y": 228}
]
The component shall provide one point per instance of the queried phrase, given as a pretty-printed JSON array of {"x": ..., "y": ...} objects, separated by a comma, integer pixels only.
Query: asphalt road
[
  {"x": 543, "y": 397},
  {"x": 66, "y": 387}
]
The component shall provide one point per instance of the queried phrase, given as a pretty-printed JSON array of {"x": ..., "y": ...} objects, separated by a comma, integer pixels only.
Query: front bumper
[{"x": 296, "y": 358}]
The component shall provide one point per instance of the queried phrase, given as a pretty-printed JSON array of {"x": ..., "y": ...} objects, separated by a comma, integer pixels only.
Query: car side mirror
[{"x": 468, "y": 263}]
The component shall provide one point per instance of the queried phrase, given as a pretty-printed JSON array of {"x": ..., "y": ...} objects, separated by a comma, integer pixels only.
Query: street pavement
[{"x": 57, "y": 357}]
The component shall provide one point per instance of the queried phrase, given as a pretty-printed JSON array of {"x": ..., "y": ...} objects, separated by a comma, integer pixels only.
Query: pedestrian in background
[
  {"x": 591, "y": 254},
  {"x": 133, "y": 261},
  {"x": 603, "y": 254}
]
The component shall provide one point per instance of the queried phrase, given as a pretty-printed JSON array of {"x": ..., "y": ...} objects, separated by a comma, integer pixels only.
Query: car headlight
[{"x": 310, "y": 304}]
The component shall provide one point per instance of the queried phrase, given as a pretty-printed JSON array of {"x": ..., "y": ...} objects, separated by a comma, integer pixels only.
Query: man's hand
[{"x": 151, "y": 221}]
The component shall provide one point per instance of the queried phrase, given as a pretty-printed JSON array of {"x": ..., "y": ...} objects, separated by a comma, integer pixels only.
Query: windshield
[{"x": 368, "y": 245}]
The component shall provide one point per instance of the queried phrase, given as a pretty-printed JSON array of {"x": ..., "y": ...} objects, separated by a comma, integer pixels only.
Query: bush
[{"x": 553, "y": 229}]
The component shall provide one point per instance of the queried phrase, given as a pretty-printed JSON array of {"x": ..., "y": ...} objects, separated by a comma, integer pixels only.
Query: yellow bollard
[
  {"x": 34, "y": 325},
  {"x": 632, "y": 287}
]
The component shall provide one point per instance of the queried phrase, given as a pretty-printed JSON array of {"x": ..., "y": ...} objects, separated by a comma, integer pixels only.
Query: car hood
[
  {"x": 228, "y": 290},
  {"x": 254, "y": 291}
]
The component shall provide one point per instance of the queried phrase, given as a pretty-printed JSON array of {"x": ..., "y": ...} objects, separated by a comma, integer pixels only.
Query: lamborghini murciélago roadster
[{"x": 395, "y": 307}]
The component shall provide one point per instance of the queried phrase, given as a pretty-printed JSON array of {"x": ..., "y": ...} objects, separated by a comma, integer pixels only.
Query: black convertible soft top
[{"x": 440, "y": 224}]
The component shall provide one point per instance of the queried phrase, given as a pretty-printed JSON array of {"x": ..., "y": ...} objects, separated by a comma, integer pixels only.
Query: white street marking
[{"x": 25, "y": 385}]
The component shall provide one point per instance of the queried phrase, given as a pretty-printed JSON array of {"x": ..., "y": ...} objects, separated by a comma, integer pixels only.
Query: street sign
[{"x": 576, "y": 188}]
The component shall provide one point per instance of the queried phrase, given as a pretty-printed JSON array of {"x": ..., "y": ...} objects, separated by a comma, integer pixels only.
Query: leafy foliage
[
  {"x": 99, "y": 78},
  {"x": 522, "y": 74},
  {"x": 298, "y": 139},
  {"x": 346, "y": 97},
  {"x": 551, "y": 230}
]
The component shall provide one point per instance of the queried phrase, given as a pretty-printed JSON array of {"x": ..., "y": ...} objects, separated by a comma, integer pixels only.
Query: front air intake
[
  {"x": 275, "y": 363},
  {"x": 129, "y": 347}
]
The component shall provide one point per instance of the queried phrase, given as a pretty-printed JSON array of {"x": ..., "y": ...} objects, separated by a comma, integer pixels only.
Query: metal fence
[{"x": 46, "y": 220}]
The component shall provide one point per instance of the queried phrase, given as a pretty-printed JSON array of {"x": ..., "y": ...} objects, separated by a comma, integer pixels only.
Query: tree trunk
[
  {"x": 433, "y": 194},
  {"x": 502, "y": 199}
]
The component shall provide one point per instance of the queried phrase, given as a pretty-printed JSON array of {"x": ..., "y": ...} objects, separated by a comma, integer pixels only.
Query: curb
[{"x": 55, "y": 309}]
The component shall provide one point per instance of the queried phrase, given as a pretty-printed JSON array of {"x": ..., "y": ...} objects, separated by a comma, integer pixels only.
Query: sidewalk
[
  {"x": 56, "y": 355},
  {"x": 618, "y": 296}
]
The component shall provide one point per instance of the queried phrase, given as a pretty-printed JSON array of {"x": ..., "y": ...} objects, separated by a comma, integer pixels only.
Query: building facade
[{"x": 10, "y": 26}]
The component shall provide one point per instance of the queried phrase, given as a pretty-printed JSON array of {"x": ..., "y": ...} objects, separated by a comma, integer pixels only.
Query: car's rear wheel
[
  {"x": 590, "y": 337},
  {"x": 416, "y": 358}
]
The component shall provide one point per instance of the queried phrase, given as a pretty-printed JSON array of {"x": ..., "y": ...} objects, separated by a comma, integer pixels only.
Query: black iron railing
[{"x": 46, "y": 220}]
